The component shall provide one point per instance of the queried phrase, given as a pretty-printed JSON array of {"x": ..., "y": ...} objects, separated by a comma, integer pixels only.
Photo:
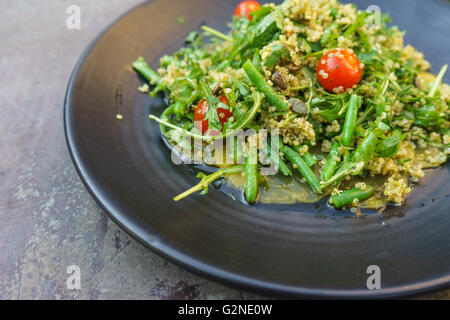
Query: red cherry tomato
[
  {"x": 246, "y": 7},
  {"x": 339, "y": 70},
  {"x": 202, "y": 107}
]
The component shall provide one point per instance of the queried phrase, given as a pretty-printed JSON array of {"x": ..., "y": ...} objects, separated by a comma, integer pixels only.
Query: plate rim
[{"x": 195, "y": 266}]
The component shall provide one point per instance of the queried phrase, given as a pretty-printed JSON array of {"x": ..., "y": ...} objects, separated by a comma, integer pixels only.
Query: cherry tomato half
[
  {"x": 202, "y": 107},
  {"x": 246, "y": 7},
  {"x": 339, "y": 70}
]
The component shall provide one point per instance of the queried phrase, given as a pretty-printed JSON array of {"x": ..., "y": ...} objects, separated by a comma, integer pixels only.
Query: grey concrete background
[{"x": 48, "y": 221}]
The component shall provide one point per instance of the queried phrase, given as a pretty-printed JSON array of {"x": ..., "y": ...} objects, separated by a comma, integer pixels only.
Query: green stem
[
  {"x": 437, "y": 82},
  {"x": 248, "y": 118},
  {"x": 384, "y": 87},
  {"x": 188, "y": 133},
  {"x": 207, "y": 180},
  {"x": 312, "y": 54},
  {"x": 217, "y": 33},
  {"x": 365, "y": 115}
]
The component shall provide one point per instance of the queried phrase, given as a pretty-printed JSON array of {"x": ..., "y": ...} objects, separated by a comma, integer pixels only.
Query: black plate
[{"x": 276, "y": 250}]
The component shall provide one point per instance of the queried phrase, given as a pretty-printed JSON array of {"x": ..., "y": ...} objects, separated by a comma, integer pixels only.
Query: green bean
[
  {"x": 284, "y": 169},
  {"x": 365, "y": 150},
  {"x": 307, "y": 157},
  {"x": 347, "y": 197},
  {"x": 238, "y": 151},
  {"x": 146, "y": 71},
  {"x": 302, "y": 167},
  {"x": 251, "y": 174},
  {"x": 343, "y": 170},
  {"x": 354, "y": 164},
  {"x": 275, "y": 158},
  {"x": 261, "y": 85},
  {"x": 332, "y": 161},
  {"x": 350, "y": 119}
]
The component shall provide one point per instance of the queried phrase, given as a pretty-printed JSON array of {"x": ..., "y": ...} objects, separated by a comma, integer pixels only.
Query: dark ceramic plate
[{"x": 297, "y": 250}]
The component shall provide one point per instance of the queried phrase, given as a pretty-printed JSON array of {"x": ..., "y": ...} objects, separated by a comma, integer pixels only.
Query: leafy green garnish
[
  {"x": 278, "y": 51},
  {"x": 389, "y": 147}
]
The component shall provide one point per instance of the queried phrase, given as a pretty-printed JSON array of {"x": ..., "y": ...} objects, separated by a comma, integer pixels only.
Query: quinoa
[
  {"x": 145, "y": 88},
  {"x": 396, "y": 189},
  {"x": 295, "y": 131},
  {"x": 326, "y": 146},
  {"x": 409, "y": 52},
  {"x": 314, "y": 15}
]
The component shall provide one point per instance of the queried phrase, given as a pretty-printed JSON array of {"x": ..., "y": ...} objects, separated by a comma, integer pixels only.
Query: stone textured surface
[{"x": 48, "y": 221}]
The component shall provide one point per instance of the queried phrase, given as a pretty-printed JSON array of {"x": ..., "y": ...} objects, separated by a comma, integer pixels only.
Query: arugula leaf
[
  {"x": 389, "y": 147},
  {"x": 428, "y": 116},
  {"x": 315, "y": 46},
  {"x": 194, "y": 39},
  {"x": 196, "y": 71},
  {"x": 330, "y": 35},
  {"x": 329, "y": 109},
  {"x": 359, "y": 22},
  {"x": 278, "y": 51},
  {"x": 333, "y": 12},
  {"x": 261, "y": 13},
  {"x": 263, "y": 32},
  {"x": 369, "y": 58},
  {"x": 211, "y": 114}
]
